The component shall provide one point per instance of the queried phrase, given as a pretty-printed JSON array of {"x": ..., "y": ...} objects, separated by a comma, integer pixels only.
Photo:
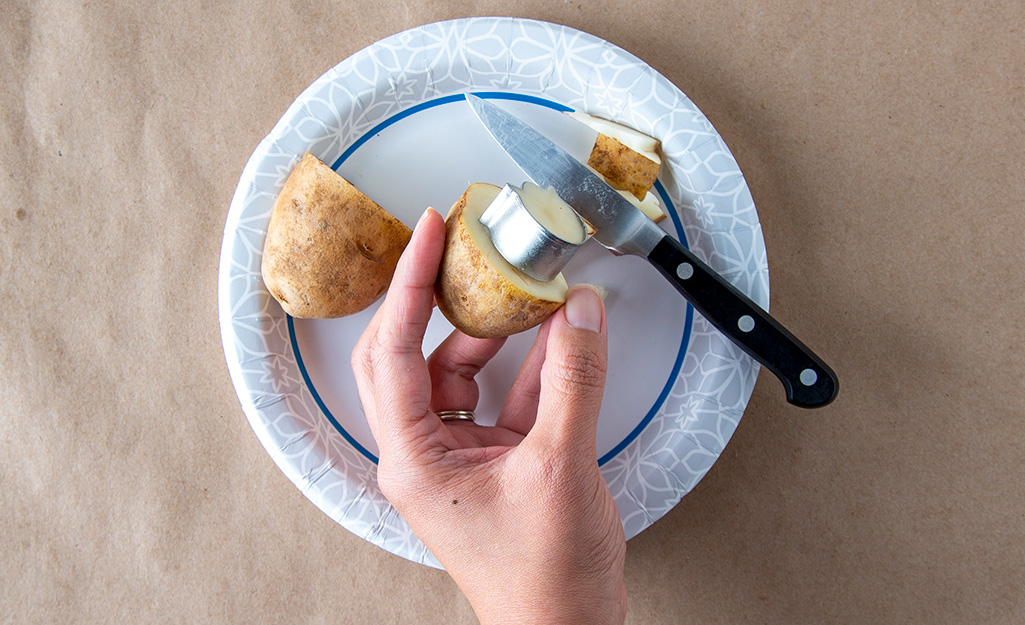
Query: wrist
[{"x": 552, "y": 610}]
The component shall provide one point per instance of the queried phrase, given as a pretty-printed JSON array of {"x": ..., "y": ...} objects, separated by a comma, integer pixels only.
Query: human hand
[{"x": 518, "y": 514}]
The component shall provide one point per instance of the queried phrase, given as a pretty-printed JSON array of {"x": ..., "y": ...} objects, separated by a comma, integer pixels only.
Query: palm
[{"x": 473, "y": 436}]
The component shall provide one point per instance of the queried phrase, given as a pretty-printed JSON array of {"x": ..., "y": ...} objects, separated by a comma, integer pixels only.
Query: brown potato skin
[
  {"x": 624, "y": 167},
  {"x": 330, "y": 250},
  {"x": 473, "y": 295}
]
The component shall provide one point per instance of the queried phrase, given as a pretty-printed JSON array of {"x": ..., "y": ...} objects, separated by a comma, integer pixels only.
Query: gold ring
[{"x": 455, "y": 415}]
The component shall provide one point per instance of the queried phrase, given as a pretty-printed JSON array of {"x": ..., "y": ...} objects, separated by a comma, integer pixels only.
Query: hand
[{"x": 518, "y": 514}]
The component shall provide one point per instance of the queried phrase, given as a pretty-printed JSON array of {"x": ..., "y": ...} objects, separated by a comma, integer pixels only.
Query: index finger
[{"x": 391, "y": 370}]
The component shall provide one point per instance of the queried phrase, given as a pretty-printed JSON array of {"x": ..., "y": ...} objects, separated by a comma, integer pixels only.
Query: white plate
[{"x": 392, "y": 119}]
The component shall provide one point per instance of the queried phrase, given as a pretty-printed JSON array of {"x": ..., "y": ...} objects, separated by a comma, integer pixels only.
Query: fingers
[
  {"x": 452, "y": 367},
  {"x": 391, "y": 373},
  {"x": 408, "y": 304},
  {"x": 520, "y": 405},
  {"x": 572, "y": 378}
]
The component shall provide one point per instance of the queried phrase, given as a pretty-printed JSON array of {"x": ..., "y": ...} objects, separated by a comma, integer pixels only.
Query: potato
[
  {"x": 477, "y": 290},
  {"x": 650, "y": 205},
  {"x": 330, "y": 250},
  {"x": 627, "y": 158}
]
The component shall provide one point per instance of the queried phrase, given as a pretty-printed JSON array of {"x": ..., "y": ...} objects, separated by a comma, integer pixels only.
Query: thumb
[{"x": 573, "y": 377}]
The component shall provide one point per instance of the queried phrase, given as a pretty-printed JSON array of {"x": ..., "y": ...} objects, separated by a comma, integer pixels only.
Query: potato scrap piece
[
  {"x": 650, "y": 205},
  {"x": 627, "y": 158},
  {"x": 330, "y": 250}
]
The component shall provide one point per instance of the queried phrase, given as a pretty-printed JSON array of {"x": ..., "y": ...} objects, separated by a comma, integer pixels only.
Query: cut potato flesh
[
  {"x": 650, "y": 205},
  {"x": 550, "y": 211},
  {"x": 477, "y": 290},
  {"x": 633, "y": 139}
]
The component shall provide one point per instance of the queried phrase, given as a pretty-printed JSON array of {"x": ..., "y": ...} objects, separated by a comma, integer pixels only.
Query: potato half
[
  {"x": 477, "y": 290},
  {"x": 330, "y": 250},
  {"x": 627, "y": 158}
]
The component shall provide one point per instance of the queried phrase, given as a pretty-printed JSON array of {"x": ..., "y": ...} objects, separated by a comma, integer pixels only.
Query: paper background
[{"x": 883, "y": 146}]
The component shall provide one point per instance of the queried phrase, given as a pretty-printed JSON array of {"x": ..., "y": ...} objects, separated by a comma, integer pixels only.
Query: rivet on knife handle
[{"x": 808, "y": 381}]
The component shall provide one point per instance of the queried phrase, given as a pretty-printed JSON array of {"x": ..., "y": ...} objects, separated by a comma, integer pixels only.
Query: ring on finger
[{"x": 455, "y": 415}]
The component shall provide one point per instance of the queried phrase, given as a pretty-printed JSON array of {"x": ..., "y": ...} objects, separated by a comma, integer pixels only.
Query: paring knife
[{"x": 624, "y": 229}]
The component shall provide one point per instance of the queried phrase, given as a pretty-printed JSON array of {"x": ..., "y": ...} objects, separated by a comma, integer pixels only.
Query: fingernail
[
  {"x": 583, "y": 308},
  {"x": 423, "y": 216}
]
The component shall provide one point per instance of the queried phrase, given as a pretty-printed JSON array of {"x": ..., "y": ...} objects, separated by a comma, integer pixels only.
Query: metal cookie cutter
[{"x": 521, "y": 238}]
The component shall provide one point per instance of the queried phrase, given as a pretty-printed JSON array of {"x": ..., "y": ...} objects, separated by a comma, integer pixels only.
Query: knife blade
[
  {"x": 619, "y": 225},
  {"x": 807, "y": 380}
]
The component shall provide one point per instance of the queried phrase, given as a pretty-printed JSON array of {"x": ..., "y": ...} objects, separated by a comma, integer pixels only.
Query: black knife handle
[{"x": 808, "y": 381}]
